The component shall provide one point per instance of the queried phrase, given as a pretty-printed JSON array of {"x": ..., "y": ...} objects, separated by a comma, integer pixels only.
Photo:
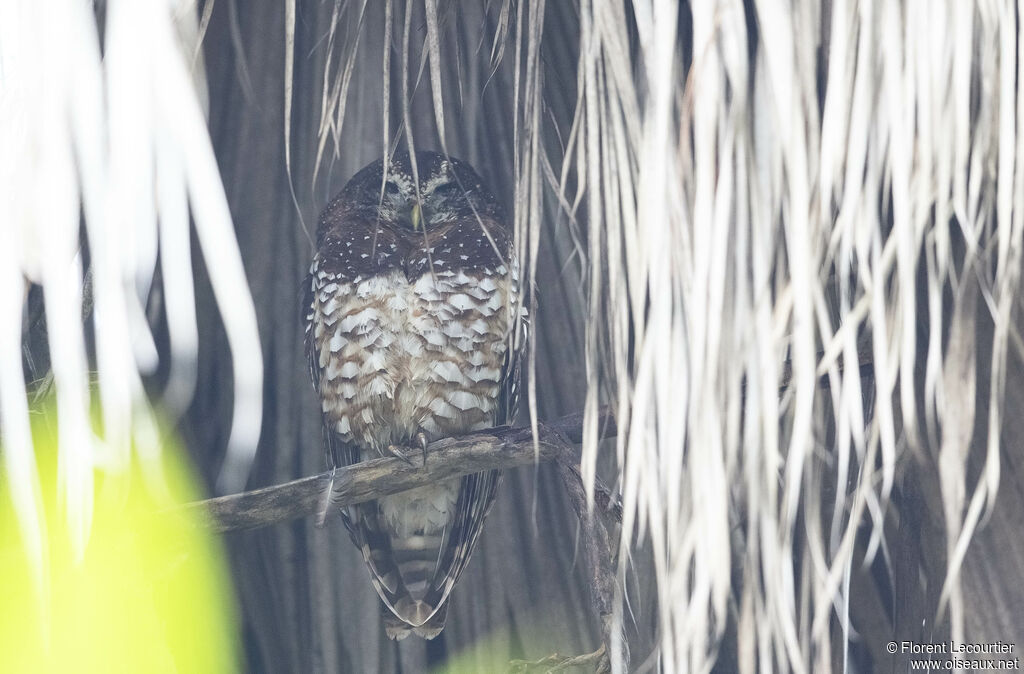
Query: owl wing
[
  {"x": 511, "y": 370},
  {"x": 307, "y": 294}
]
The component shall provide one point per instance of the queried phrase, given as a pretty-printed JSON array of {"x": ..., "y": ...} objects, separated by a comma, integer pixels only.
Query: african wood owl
[{"x": 414, "y": 333}]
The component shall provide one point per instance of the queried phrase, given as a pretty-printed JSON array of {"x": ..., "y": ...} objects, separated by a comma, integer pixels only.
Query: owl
[{"x": 414, "y": 332}]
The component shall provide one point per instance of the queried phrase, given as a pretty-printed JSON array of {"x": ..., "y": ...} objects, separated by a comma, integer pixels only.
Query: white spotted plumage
[{"x": 391, "y": 347}]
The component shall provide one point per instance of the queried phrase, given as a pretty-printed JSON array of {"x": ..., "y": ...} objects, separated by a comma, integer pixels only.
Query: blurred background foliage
[{"x": 152, "y": 592}]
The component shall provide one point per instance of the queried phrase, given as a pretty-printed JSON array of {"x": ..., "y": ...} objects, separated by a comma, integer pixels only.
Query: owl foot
[{"x": 404, "y": 453}]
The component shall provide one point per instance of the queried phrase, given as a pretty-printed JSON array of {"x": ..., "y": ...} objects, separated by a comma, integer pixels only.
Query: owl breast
[{"x": 401, "y": 356}]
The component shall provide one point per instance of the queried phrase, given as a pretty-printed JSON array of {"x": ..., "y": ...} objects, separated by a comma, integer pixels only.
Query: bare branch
[
  {"x": 597, "y": 552},
  {"x": 500, "y": 447}
]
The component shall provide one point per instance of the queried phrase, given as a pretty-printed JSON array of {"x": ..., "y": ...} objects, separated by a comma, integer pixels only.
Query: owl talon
[
  {"x": 397, "y": 452},
  {"x": 421, "y": 439}
]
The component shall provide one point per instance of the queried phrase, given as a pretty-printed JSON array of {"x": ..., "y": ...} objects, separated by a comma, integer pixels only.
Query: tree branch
[
  {"x": 597, "y": 552},
  {"x": 495, "y": 448}
]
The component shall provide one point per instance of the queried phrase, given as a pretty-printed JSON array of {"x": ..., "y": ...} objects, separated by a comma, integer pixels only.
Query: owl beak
[{"x": 416, "y": 216}]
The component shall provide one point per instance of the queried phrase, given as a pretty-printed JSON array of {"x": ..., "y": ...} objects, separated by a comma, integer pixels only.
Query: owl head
[{"x": 448, "y": 189}]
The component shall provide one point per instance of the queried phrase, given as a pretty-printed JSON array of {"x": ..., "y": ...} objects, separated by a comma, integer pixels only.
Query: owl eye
[{"x": 446, "y": 190}]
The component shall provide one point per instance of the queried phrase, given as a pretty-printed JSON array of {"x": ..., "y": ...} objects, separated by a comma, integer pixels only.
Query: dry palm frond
[
  {"x": 122, "y": 141},
  {"x": 750, "y": 238}
]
